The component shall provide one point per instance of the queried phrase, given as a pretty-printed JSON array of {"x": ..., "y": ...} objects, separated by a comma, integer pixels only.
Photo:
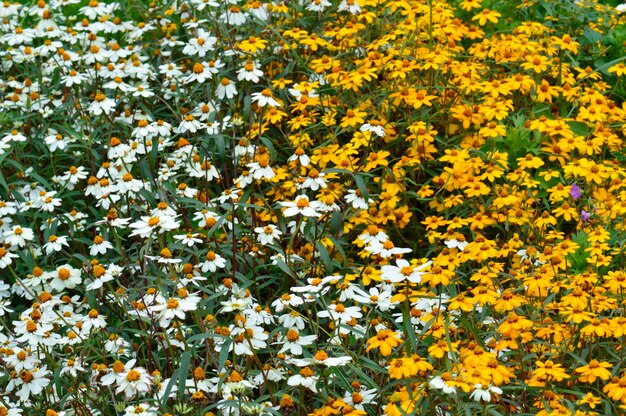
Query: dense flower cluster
[{"x": 314, "y": 207}]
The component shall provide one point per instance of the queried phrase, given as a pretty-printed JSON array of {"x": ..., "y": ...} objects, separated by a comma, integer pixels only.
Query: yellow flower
[
  {"x": 616, "y": 389},
  {"x": 385, "y": 340},
  {"x": 487, "y": 16},
  {"x": 375, "y": 159},
  {"x": 402, "y": 368},
  {"x": 468, "y": 5},
  {"x": 493, "y": 129},
  {"x": 594, "y": 370},
  {"x": 618, "y": 69},
  {"x": 353, "y": 118},
  {"x": 566, "y": 211},
  {"x": 537, "y": 63},
  {"x": 252, "y": 44},
  {"x": 590, "y": 400},
  {"x": 550, "y": 370}
]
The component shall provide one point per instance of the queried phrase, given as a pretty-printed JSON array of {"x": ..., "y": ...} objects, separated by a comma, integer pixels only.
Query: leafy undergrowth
[{"x": 312, "y": 207}]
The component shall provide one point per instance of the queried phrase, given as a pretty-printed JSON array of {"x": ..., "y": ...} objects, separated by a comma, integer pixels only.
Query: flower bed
[{"x": 312, "y": 208}]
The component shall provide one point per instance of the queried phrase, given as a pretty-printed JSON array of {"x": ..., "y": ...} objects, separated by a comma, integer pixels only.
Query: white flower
[
  {"x": 65, "y": 277},
  {"x": 305, "y": 378},
  {"x": 189, "y": 239},
  {"x": 380, "y": 298},
  {"x": 373, "y": 235},
  {"x": 300, "y": 156},
  {"x": 285, "y": 301},
  {"x": 188, "y": 124},
  {"x": 147, "y": 225},
  {"x": 374, "y": 127},
  {"x": 321, "y": 357},
  {"x": 339, "y": 312},
  {"x": 141, "y": 91},
  {"x": 11, "y": 409},
  {"x": 267, "y": 234},
  {"x": 439, "y": 384},
  {"x": 5, "y": 258},
  {"x": 355, "y": 197},
  {"x": 29, "y": 383},
  {"x": 484, "y": 393},
  {"x": 73, "y": 78},
  {"x": 250, "y": 72},
  {"x": 264, "y": 98},
  {"x": 363, "y": 396},
  {"x": 200, "y": 72},
  {"x": 314, "y": 180},
  {"x": 226, "y": 89},
  {"x": 293, "y": 342},
  {"x": 351, "y": 6},
  {"x": 18, "y": 236},
  {"x": 213, "y": 262},
  {"x": 140, "y": 410},
  {"x": 201, "y": 44},
  {"x": 99, "y": 246},
  {"x": 175, "y": 307},
  {"x": 303, "y": 206},
  {"x": 261, "y": 169},
  {"x": 403, "y": 271},
  {"x": 165, "y": 257},
  {"x": 318, "y": 5},
  {"x": 7, "y": 208},
  {"x": 102, "y": 275},
  {"x": 134, "y": 381},
  {"x": 621, "y": 8},
  {"x": 14, "y": 136},
  {"x": 73, "y": 175},
  {"x": 386, "y": 249},
  {"x": 233, "y": 16},
  {"x": 55, "y": 243},
  {"x": 101, "y": 104}
]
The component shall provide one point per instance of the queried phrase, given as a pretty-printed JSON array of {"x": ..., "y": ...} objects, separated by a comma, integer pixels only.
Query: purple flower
[
  {"x": 585, "y": 215},
  {"x": 575, "y": 192}
]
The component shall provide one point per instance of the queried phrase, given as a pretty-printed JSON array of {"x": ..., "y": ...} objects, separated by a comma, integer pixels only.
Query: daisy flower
[
  {"x": 357, "y": 200},
  {"x": 147, "y": 225},
  {"x": 29, "y": 382},
  {"x": 484, "y": 392},
  {"x": 200, "y": 72},
  {"x": 342, "y": 313},
  {"x": 301, "y": 156},
  {"x": 18, "y": 236},
  {"x": 293, "y": 342},
  {"x": 213, "y": 262},
  {"x": 403, "y": 271},
  {"x": 261, "y": 169},
  {"x": 250, "y": 72},
  {"x": 375, "y": 127},
  {"x": 226, "y": 89},
  {"x": 55, "y": 243},
  {"x": 175, "y": 307},
  {"x": 303, "y": 206},
  {"x": 305, "y": 378},
  {"x": 133, "y": 382},
  {"x": 99, "y": 246},
  {"x": 265, "y": 98},
  {"x": 189, "y": 239},
  {"x": 65, "y": 277},
  {"x": 386, "y": 249},
  {"x": 101, "y": 104},
  {"x": 5, "y": 257},
  {"x": 267, "y": 234},
  {"x": 140, "y": 410},
  {"x": 321, "y": 358}
]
